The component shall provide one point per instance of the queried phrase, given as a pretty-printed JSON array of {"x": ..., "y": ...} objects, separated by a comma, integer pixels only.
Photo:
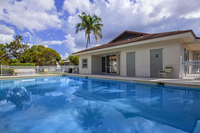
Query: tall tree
[
  {"x": 40, "y": 55},
  {"x": 2, "y": 50},
  {"x": 89, "y": 24},
  {"x": 16, "y": 48},
  {"x": 74, "y": 60},
  {"x": 4, "y": 58}
]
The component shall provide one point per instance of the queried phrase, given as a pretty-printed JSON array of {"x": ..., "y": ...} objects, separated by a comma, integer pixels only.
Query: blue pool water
[{"x": 80, "y": 105}]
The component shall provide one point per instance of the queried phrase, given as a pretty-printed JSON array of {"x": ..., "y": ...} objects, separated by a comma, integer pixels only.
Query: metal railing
[
  {"x": 191, "y": 69},
  {"x": 35, "y": 70}
]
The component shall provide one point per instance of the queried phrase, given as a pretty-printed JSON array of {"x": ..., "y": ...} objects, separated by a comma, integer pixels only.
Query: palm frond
[
  {"x": 95, "y": 17},
  {"x": 78, "y": 25},
  {"x": 95, "y": 35},
  {"x": 77, "y": 30},
  {"x": 83, "y": 25},
  {"x": 99, "y": 24},
  {"x": 80, "y": 17},
  {"x": 86, "y": 34},
  {"x": 98, "y": 28},
  {"x": 83, "y": 13},
  {"x": 100, "y": 35},
  {"x": 80, "y": 29}
]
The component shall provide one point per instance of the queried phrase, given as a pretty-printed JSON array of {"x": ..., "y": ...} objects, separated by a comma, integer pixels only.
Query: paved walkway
[
  {"x": 27, "y": 76},
  {"x": 166, "y": 81}
]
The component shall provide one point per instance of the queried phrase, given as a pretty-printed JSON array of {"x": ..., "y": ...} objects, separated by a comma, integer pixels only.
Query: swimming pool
[{"x": 80, "y": 105}]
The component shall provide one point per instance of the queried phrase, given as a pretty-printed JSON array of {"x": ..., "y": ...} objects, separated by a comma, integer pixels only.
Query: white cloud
[
  {"x": 72, "y": 5},
  {"x": 192, "y": 15},
  {"x": 64, "y": 56},
  {"x": 117, "y": 16},
  {"x": 6, "y": 34},
  {"x": 140, "y": 15},
  {"x": 70, "y": 44},
  {"x": 6, "y": 30},
  {"x": 30, "y": 14},
  {"x": 6, "y": 38},
  {"x": 29, "y": 44},
  {"x": 51, "y": 43}
]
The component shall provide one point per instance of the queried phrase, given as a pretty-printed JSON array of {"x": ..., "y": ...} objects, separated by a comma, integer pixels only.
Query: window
[{"x": 84, "y": 63}]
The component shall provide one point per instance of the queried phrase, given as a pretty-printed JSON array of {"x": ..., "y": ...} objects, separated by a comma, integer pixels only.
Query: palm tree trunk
[
  {"x": 89, "y": 37},
  {"x": 88, "y": 40},
  {"x": 87, "y": 43}
]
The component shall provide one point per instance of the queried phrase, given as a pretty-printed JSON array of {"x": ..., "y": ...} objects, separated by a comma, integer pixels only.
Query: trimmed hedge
[
  {"x": 22, "y": 64},
  {"x": 7, "y": 71}
]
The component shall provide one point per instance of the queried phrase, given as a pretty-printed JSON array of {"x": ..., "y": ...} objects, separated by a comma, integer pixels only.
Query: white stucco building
[{"x": 141, "y": 54}]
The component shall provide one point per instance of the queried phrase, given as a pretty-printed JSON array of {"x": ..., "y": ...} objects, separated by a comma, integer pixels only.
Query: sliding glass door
[
  {"x": 103, "y": 64},
  {"x": 109, "y": 64},
  {"x": 186, "y": 58}
]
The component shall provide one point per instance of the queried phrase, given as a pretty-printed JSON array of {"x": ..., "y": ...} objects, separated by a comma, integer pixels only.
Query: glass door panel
[
  {"x": 108, "y": 62},
  {"x": 111, "y": 62},
  {"x": 186, "y": 58},
  {"x": 114, "y": 64},
  {"x": 103, "y": 67}
]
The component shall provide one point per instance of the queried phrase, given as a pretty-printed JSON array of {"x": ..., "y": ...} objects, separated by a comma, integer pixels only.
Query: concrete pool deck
[
  {"x": 28, "y": 76},
  {"x": 165, "y": 81}
]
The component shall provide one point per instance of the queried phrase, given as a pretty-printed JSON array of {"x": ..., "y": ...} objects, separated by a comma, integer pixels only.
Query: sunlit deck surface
[
  {"x": 165, "y": 81},
  {"x": 28, "y": 76},
  {"x": 151, "y": 80}
]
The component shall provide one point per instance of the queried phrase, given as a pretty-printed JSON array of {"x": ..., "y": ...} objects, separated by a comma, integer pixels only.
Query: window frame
[{"x": 84, "y": 63}]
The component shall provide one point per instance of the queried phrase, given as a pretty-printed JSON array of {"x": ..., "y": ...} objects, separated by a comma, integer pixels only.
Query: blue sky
[{"x": 52, "y": 22}]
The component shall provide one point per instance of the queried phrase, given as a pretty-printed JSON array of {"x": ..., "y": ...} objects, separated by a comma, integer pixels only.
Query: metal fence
[
  {"x": 191, "y": 69},
  {"x": 35, "y": 70}
]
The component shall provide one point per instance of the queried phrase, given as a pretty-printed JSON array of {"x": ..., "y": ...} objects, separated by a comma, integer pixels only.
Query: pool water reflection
[{"x": 73, "y": 105}]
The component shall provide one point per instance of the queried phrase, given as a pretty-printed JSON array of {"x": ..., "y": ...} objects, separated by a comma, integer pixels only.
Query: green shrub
[
  {"x": 7, "y": 71},
  {"x": 74, "y": 60},
  {"x": 14, "y": 61},
  {"x": 22, "y": 64}
]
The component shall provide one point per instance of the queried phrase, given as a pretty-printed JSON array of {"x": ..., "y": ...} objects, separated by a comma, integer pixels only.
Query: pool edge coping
[
  {"x": 23, "y": 77},
  {"x": 136, "y": 81},
  {"x": 106, "y": 78}
]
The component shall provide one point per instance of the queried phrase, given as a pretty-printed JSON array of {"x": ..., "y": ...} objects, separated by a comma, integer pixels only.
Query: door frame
[
  {"x": 105, "y": 64},
  {"x": 127, "y": 64},
  {"x": 163, "y": 62}
]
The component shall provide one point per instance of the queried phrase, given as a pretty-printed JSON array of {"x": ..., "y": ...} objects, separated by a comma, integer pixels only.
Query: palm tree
[
  {"x": 89, "y": 24},
  {"x": 91, "y": 117}
]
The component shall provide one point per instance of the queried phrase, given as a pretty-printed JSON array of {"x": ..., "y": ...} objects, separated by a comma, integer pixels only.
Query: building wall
[
  {"x": 96, "y": 64},
  {"x": 172, "y": 50},
  {"x": 85, "y": 70},
  {"x": 181, "y": 51},
  {"x": 171, "y": 56}
]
